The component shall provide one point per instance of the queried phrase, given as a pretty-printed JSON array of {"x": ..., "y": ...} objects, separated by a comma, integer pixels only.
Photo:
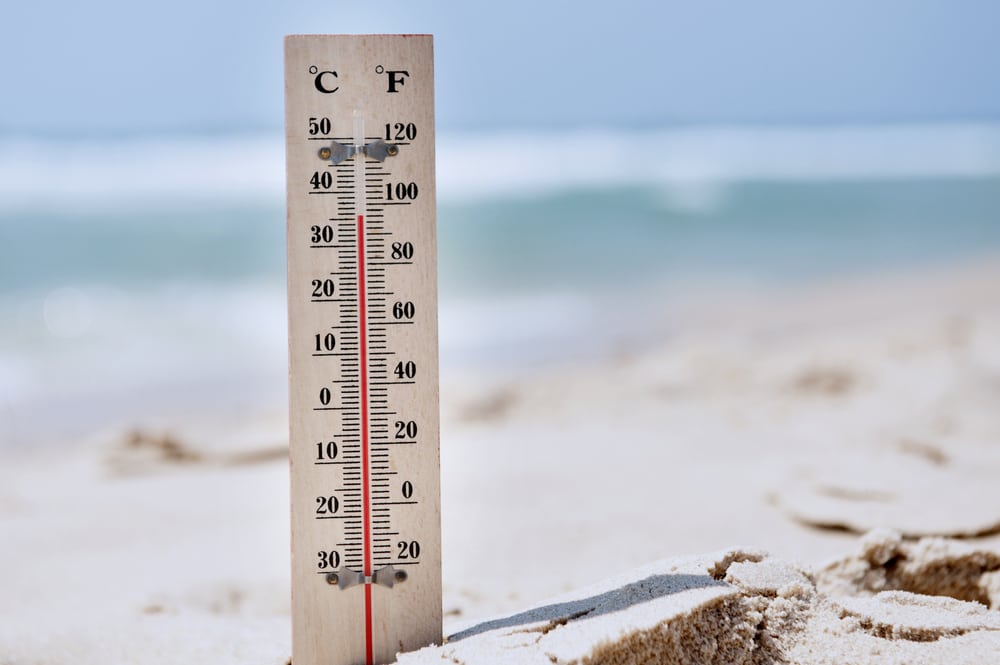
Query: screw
[
  {"x": 392, "y": 150},
  {"x": 332, "y": 578},
  {"x": 324, "y": 153},
  {"x": 400, "y": 576}
]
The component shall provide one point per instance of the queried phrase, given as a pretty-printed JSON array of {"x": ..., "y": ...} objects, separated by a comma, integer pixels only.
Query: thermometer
[{"x": 363, "y": 352}]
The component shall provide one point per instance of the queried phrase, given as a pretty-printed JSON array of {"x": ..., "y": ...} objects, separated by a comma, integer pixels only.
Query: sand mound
[
  {"x": 916, "y": 489},
  {"x": 141, "y": 452},
  {"x": 742, "y": 607},
  {"x": 931, "y": 566}
]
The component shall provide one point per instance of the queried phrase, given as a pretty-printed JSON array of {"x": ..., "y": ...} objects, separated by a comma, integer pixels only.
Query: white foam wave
[
  {"x": 471, "y": 166},
  {"x": 83, "y": 351},
  {"x": 476, "y": 165},
  {"x": 51, "y": 173},
  {"x": 97, "y": 354}
]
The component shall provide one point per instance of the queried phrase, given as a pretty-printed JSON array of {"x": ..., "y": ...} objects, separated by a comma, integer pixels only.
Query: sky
[{"x": 121, "y": 67}]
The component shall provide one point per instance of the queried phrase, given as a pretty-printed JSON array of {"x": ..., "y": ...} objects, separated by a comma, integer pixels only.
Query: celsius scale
[{"x": 363, "y": 352}]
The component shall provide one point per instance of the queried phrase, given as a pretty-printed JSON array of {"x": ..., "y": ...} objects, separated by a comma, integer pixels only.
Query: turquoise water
[
  {"x": 575, "y": 239},
  {"x": 760, "y": 231}
]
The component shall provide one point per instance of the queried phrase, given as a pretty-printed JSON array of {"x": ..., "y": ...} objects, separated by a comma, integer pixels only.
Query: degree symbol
[
  {"x": 313, "y": 69},
  {"x": 379, "y": 69}
]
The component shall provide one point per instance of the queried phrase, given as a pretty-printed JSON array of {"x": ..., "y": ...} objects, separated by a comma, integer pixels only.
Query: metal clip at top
[{"x": 377, "y": 150}]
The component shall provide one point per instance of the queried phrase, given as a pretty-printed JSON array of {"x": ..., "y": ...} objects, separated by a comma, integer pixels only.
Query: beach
[
  {"x": 782, "y": 424},
  {"x": 708, "y": 303}
]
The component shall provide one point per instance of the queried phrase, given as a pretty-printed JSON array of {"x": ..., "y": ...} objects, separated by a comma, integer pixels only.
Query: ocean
[{"x": 144, "y": 277}]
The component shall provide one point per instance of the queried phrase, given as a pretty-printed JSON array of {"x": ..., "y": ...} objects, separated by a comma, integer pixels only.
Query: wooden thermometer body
[{"x": 363, "y": 363}]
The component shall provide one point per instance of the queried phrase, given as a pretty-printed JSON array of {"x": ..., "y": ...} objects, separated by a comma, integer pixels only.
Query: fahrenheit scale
[{"x": 363, "y": 363}]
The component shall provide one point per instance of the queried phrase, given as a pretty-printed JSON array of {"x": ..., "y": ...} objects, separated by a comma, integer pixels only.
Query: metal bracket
[
  {"x": 346, "y": 578},
  {"x": 377, "y": 150}
]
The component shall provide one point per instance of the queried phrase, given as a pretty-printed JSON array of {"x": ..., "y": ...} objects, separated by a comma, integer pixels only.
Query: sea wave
[
  {"x": 698, "y": 157},
  {"x": 81, "y": 355},
  {"x": 476, "y": 165},
  {"x": 99, "y": 354}
]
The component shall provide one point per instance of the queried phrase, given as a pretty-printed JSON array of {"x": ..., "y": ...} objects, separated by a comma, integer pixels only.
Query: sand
[
  {"x": 737, "y": 607},
  {"x": 835, "y": 447}
]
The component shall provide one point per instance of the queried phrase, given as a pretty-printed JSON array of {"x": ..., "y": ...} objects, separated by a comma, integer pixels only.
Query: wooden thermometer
[{"x": 363, "y": 353}]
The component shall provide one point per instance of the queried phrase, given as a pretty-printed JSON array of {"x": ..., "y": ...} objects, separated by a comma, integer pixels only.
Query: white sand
[{"x": 762, "y": 423}]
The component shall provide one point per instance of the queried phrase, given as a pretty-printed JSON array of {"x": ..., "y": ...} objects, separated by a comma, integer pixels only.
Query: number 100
[{"x": 401, "y": 191}]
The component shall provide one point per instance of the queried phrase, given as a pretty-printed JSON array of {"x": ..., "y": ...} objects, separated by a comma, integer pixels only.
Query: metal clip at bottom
[{"x": 346, "y": 578}]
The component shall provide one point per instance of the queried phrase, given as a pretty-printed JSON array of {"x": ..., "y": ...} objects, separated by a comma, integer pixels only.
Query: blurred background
[{"x": 655, "y": 153}]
